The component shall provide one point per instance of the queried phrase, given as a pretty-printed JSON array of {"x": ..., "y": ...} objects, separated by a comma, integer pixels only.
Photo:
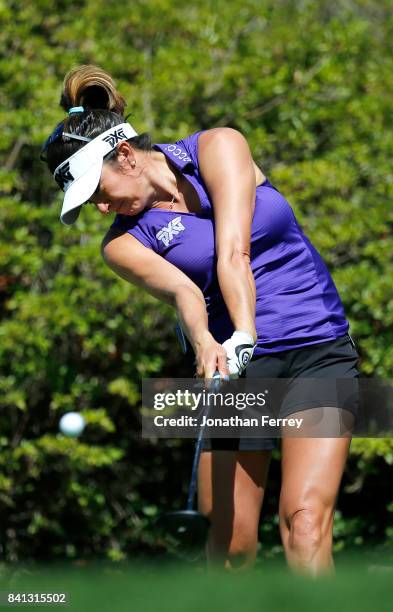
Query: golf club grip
[{"x": 197, "y": 454}]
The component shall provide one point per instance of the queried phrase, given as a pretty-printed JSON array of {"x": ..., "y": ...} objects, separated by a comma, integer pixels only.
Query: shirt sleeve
[{"x": 130, "y": 225}]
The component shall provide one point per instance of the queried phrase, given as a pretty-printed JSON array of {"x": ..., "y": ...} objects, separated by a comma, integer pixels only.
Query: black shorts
[{"x": 334, "y": 359}]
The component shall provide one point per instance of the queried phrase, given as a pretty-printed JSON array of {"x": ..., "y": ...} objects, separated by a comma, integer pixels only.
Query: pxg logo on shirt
[
  {"x": 63, "y": 175},
  {"x": 173, "y": 228},
  {"x": 115, "y": 137}
]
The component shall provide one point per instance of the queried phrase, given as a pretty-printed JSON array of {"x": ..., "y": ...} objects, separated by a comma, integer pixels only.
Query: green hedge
[{"x": 309, "y": 84}]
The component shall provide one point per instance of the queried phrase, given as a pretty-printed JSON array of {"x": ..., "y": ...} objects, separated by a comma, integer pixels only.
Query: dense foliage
[{"x": 309, "y": 84}]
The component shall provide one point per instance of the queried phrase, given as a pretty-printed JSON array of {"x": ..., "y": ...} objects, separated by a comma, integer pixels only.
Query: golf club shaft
[{"x": 198, "y": 450}]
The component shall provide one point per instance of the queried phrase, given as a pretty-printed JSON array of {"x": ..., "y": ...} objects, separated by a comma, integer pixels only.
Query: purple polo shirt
[{"x": 297, "y": 303}]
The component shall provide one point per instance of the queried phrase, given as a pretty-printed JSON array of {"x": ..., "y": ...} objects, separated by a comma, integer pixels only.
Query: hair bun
[{"x": 91, "y": 87}]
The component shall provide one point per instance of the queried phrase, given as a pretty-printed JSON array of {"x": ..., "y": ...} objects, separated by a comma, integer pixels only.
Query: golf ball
[{"x": 72, "y": 424}]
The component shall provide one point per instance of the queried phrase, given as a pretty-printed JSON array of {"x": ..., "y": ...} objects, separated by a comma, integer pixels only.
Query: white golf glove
[{"x": 239, "y": 347}]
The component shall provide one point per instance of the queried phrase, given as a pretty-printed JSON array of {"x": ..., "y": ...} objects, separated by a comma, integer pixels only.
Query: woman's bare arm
[
  {"x": 142, "y": 267},
  {"x": 228, "y": 171}
]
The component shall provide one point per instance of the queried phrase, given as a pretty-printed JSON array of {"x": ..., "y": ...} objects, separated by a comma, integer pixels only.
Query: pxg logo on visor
[{"x": 64, "y": 176}]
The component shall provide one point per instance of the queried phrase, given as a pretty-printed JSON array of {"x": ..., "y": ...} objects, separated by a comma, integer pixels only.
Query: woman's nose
[{"x": 103, "y": 207}]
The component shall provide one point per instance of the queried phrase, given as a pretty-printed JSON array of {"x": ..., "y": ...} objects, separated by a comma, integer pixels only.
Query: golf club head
[{"x": 184, "y": 533}]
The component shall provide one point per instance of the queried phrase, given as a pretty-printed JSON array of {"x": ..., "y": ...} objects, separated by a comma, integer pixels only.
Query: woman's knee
[
  {"x": 237, "y": 546},
  {"x": 307, "y": 528},
  {"x": 243, "y": 547},
  {"x": 242, "y": 550}
]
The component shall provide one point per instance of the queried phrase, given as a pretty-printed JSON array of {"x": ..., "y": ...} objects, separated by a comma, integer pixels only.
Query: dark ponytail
[{"x": 91, "y": 87}]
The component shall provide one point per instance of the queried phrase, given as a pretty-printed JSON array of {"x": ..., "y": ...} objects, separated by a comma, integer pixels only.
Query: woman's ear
[{"x": 126, "y": 155}]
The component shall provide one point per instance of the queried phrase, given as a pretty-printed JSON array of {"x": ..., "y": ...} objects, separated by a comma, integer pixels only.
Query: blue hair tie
[{"x": 76, "y": 109}]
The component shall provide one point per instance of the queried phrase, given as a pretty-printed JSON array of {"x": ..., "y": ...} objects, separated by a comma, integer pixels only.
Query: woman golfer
[{"x": 199, "y": 226}]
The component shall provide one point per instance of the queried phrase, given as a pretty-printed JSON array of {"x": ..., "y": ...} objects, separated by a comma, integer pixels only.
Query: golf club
[{"x": 185, "y": 531}]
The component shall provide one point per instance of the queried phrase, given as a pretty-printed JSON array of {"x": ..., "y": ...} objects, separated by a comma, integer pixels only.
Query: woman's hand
[
  {"x": 209, "y": 357},
  {"x": 239, "y": 348}
]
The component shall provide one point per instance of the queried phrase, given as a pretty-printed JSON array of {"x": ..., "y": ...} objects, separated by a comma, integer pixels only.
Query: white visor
[{"x": 79, "y": 175}]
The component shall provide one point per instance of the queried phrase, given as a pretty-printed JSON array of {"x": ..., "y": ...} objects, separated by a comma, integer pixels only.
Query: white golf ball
[{"x": 72, "y": 424}]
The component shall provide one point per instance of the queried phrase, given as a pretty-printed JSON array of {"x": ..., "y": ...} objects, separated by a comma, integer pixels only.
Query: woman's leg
[
  {"x": 231, "y": 487},
  {"x": 312, "y": 469}
]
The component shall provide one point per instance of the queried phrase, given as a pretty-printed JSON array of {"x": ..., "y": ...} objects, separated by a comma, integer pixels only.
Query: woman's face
[{"x": 119, "y": 192}]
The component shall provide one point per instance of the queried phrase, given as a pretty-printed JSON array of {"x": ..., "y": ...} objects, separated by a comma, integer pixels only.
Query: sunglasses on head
[{"x": 58, "y": 133}]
